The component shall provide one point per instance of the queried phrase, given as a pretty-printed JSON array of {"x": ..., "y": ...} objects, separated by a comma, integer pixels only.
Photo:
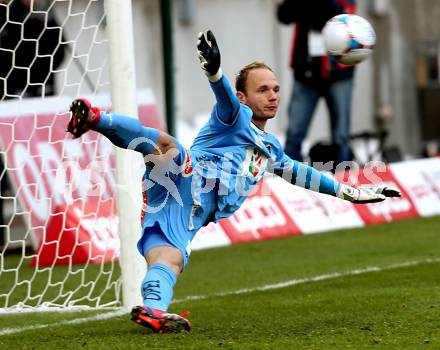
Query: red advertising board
[
  {"x": 260, "y": 217},
  {"x": 81, "y": 232},
  {"x": 421, "y": 181},
  {"x": 48, "y": 169},
  {"x": 391, "y": 209},
  {"x": 67, "y": 187},
  {"x": 312, "y": 211}
]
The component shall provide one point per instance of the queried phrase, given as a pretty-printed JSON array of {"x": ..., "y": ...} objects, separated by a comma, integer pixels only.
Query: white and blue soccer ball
[{"x": 350, "y": 38}]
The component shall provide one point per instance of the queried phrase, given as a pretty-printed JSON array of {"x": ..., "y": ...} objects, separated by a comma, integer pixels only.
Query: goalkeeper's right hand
[
  {"x": 209, "y": 55},
  {"x": 83, "y": 116},
  {"x": 366, "y": 194}
]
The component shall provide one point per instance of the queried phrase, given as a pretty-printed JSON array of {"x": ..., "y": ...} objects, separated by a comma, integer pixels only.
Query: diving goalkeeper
[{"x": 187, "y": 189}]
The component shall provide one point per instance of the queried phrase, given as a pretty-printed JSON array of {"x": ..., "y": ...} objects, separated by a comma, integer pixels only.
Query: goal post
[
  {"x": 71, "y": 207},
  {"x": 123, "y": 92}
]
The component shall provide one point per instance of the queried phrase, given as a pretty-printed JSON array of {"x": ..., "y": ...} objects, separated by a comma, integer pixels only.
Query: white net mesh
[{"x": 58, "y": 239}]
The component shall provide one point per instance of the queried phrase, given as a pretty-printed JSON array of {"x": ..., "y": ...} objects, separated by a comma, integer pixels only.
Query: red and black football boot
[
  {"x": 81, "y": 119},
  {"x": 160, "y": 322}
]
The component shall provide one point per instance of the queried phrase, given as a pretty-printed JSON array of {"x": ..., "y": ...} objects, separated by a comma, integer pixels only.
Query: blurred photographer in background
[{"x": 316, "y": 75}]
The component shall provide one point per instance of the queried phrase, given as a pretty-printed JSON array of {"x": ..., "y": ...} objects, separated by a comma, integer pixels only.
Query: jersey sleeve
[
  {"x": 302, "y": 175},
  {"x": 227, "y": 107}
]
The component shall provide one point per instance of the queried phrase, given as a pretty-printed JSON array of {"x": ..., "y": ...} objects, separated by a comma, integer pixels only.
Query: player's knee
[
  {"x": 169, "y": 256},
  {"x": 175, "y": 265},
  {"x": 165, "y": 142}
]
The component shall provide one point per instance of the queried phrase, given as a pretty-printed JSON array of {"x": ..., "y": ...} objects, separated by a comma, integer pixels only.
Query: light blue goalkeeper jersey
[
  {"x": 212, "y": 179},
  {"x": 234, "y": 153}
]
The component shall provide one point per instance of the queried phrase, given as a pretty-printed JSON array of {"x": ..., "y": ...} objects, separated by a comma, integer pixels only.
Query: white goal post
[
  {"x": 64, "y": 201},
  {"x": 123, "y": 92}
]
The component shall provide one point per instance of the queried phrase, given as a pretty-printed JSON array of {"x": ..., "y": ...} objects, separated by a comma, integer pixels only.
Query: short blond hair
[{"x": 241, "y": 78}]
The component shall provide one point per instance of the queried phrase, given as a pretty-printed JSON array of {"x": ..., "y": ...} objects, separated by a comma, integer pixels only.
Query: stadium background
[
  {"x": 404, "y": 29},
  {"x": 387, "y": 86}
]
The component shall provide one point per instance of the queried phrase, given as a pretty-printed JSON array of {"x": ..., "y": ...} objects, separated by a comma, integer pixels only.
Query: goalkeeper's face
[{"x": 262, "y": 93}]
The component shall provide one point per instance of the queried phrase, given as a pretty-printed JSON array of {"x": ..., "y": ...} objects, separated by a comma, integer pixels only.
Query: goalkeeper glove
[
  {"x": 209, "y": 55},
  {"x": 83, "y": 116},
  {"x": 366, "y": 194}
]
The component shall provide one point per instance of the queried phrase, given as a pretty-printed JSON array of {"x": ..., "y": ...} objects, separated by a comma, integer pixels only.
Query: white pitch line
[
  {"x": 318, "y": 278},
  {"x": 107, "y": 315},
  {"x": 120, "y": 312}
]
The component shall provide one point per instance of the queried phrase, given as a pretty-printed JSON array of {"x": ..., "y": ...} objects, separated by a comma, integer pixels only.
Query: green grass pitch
[{"x": 396, "y": 306}]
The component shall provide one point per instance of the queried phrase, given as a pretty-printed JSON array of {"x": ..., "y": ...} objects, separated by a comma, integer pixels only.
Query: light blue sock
[{"x": 157, "y": 287}]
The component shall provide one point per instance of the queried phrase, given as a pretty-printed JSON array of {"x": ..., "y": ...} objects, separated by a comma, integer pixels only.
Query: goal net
[{"x": 58, "y": 223}]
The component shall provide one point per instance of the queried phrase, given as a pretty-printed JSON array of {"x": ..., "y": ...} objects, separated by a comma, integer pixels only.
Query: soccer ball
[{"x": 350, "y": 38}]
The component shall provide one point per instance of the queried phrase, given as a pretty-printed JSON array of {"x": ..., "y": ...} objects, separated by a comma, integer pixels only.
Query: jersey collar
[{"x": 257, "y": 129}]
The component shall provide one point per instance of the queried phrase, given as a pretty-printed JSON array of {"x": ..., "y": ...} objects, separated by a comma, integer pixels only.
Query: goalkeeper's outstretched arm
[
  {"x": 302, "y": 175},
  {"x": 227, "y": 106}
]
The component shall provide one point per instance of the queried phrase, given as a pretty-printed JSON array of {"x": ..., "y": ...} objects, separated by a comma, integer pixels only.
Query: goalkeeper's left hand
[
  {"x": 366, "y": 194},
  {"x": 209, "y": 55}
]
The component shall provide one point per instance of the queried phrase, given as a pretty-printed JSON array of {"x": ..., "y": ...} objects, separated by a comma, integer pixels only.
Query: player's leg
[
  {"x": 166, "y": 252},
  {"x": 165, "y": 263},
  {"x": 165, "y": 241},
  {"x": 301, "y": 108},
  {"x": 164, "y": 260},
  {"x": 122, "y": 131},
  {"x": 338, "y": 98}
]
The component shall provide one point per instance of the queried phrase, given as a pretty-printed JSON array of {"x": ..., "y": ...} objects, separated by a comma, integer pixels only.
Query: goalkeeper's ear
[{"x": 241, "y": 97}]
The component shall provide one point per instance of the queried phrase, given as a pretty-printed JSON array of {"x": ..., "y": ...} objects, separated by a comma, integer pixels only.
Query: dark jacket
[
  {"x": 30, "y": 50},
  {"x": 312, "y": 15}
]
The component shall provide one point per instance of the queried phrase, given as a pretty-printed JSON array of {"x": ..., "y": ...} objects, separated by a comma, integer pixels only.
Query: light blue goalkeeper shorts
[{"x": 178, "y": 219}]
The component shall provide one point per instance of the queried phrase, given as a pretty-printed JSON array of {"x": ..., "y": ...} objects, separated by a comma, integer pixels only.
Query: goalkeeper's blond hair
[{"x": 241, "y": 78}]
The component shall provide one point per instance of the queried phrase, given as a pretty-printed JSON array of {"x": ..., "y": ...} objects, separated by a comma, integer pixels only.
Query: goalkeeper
[{"x": 187, "y": 189}]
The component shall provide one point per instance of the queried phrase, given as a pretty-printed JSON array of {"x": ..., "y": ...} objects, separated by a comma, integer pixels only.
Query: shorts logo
[
  {"x": 144, "y": 205},
  {"x": 187, "y": 169}
]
